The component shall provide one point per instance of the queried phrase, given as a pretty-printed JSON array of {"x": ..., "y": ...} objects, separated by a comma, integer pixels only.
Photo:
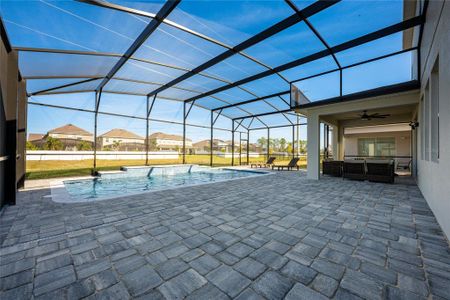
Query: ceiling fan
[{"x": 366, "y": 117}]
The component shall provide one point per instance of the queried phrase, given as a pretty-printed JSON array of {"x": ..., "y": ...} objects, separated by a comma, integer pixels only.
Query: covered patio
[{"x": 277, "y": 236}]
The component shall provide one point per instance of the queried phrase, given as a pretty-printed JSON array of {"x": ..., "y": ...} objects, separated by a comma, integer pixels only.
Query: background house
[
  {"x": 35, "y": 137},
  {"x": 70, "y": 132},
  {"x": 218, "y": 145},
  {"x": 121, "y": 140},
  {"x": 67, "y": 137},
  {"x": 167, "y": 142}
]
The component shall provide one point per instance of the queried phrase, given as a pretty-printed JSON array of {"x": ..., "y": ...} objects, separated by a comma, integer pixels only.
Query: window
[
  {"x": 434, "y": 110},
  {"x": 376, "y": 146},
  {"x": 426, "y": 122},
  {"x": 422, "y": 128}
]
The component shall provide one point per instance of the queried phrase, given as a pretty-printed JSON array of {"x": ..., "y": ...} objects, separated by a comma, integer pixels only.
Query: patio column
[
  {"x": 340, "y": 136},
  {"x": 313, "y": 145},
  {"x": 335, "y": 142}
]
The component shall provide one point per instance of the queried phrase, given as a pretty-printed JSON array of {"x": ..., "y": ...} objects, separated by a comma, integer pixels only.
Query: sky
[{"x": 71, "y": 25}]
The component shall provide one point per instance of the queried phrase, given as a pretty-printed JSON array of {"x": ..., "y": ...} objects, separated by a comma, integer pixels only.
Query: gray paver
[
  {"x": 249, "y": 294},
  {"x": 16, "y": 280},
  {"x": 21, "y": 292},
  {"x": 272, "y": 285},
  {"x": 228, "y": 280},
  {"x": 171, "y": 268},
  {"x": 362, "y": 285},
  {"x": 182, "y": 285},
  {"x": 240, "y": 250},
  {"x": 53, "y": 263},
  {"x": 117, "y": 291},
  {"x": 53, "y": 280},
  {"x": 204, "y": 264},
  {"x": 250, "y": 267},
  {"x": 269, "y": 258},
  {"x": 298, "y": 272},
  {"x": 141, "y": 280},
  {"x": 328, "y": 268},
  {"x": 104, "y": 279},
  {"x": 302, "y": 292},
  {"x": 92, "y": 268},
  {"x": 273, "y": 231},
  {"x": 207, "y": 292},
  {"x": 325, "y": 285}
]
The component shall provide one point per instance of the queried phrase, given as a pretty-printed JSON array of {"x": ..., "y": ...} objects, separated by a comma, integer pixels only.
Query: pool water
[{"x": 138, "y": 180}]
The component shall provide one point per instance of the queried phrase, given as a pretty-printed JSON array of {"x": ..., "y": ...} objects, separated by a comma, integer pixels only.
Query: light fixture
[{"x": 414, "y": 124}]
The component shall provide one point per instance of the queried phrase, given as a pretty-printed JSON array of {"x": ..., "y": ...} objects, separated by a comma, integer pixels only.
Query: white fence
[
  {"x": 110, "y": 155},
  {"x": 236, "y": 155}
]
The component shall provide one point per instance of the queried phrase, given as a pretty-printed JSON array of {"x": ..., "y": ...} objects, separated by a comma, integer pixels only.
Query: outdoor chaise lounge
[
  {"x": 404, "y": 164},
  {"x": 380, "y": 170},
  {"x": 332, "y": 167},
  {"x": 292, "y": 164},
  {"x": 267, "y": 164},
  {"x": 354, "y": 169}
]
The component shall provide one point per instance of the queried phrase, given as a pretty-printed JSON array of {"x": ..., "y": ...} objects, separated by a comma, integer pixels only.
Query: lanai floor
[{"x": 274, "y": 237}]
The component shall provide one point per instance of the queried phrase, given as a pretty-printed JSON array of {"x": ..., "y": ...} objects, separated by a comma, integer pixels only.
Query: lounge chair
[
  {"x": 354, "y": 169},
  {"x": 267, "y": 164},
  {"x": 380, "y": 170},
  {"x": 292, "y": 164},
  {"x": 332, "y": 167},
  {"x": 404, "y": 164}
]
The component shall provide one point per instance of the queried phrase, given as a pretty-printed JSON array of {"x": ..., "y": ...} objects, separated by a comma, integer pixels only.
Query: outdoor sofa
[
  {"x": 354, "y": 169},
  {"x": 332, "y": 167},
  {"x": 380, "y": 170}
]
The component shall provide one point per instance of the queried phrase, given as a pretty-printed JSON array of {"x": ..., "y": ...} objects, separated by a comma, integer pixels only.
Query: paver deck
[{"x": 273, "y": 237}]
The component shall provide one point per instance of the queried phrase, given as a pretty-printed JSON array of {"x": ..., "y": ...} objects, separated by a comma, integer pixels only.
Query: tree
[
  {"x": 84, "y": 146},
  {"x": 116, "y": 145},
  {"x": 262, "y": 141},
  {"x": 289, "y": 148},
  {"x": 302, "y": 147},
  {"x": 152, "y": 145},
  {"x": 275, "y": 144},
  {"x": 31, "y": 146},
  {"x": 283, "y": 143},
  {"x": 53, "y": 144}
]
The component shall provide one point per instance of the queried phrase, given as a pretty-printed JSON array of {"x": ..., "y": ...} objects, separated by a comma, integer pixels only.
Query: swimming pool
[{"x": 134, "y": 180}]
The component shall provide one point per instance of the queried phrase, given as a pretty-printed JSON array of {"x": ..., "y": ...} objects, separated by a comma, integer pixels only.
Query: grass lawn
[{"x": 65, "y": 168}]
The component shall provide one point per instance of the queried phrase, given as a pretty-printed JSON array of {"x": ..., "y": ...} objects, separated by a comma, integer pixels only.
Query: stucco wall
[
  {"x": 402, "y": 142},
  {"x": 434, "y": 177}
]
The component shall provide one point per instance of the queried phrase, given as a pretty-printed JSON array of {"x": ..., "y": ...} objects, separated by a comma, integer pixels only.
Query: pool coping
[{"x": 59, "y": 193}]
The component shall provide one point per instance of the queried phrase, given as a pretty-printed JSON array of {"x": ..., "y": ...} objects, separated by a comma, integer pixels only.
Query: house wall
[
  {"x": 171, "y": 144},
  {"x": 72, "y": 137},
  {"x": 21, "y": 133},
  {"x": 106, "y": 141},
  {"x": 433, "y": 177},
  {"x": 402, "y": 142},
  {"x": 12, "y": 122}
]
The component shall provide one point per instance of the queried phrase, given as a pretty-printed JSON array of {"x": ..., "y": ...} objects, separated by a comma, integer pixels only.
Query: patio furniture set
[{"x": 361, "y": 169}]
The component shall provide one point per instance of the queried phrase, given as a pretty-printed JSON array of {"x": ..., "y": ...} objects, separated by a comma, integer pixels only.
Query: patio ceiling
[{"x": 235, "y": 58}]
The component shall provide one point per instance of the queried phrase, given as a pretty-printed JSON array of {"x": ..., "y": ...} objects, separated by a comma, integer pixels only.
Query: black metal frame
[
  {"x": 272, "y": 30},
  {"x": 298, "y": 16},
  {"x": 415, "y": 21}
]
